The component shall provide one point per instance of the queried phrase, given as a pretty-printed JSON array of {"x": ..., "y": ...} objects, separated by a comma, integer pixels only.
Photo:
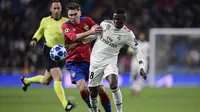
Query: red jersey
[{"x": 82, "y": 52}]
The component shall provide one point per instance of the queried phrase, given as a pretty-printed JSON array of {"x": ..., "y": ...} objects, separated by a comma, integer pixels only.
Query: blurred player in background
[
  {"x": 135, "y": 79},
  {"x": 104, "y": 57},
  {"x": 50, "y": 27},
  {"x": 78, "y": 60}
]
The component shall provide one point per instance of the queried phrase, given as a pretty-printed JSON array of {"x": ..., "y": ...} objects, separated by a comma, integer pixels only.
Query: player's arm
[
  {"x": 94, "y": 30},
  {"x": 70, "y": 47},
  {"x": 132, "y": 42},
  {"x": 86, "y": 40},
  {"x": 89, "y": 36},
  {"x": 69, "y": 33},
  {"x": 89, "y": 39},
  {"x": 37, "y": 36}
]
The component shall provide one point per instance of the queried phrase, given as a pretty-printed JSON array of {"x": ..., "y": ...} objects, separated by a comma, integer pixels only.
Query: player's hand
[
  {"x": 33, "y": 43},
  {"x": 143, "y": 74},
  {"x": 96, "y": 29},
  {"x": 71, "y": 47}
]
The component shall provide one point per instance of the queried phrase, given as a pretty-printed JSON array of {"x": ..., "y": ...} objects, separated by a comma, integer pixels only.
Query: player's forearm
[
  {"x": 81, "y": 36},
  {"x": 89, "y": 39},
  {"x": 37, "y": 36},
  {"x": 71, "y": 47},
  {"x": 140, "y": 58}
]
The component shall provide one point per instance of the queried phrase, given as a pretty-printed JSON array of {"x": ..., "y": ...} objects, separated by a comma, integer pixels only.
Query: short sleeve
[{"x": 132, "y": 41}]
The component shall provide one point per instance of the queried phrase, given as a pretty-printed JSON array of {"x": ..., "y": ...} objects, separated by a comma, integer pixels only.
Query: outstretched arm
[
  {"x": 69, "y": 33},
  {"x": 132, "y": 42},
  {"x": 141, "y": 62},
  {"x": 86, "y": 40}
]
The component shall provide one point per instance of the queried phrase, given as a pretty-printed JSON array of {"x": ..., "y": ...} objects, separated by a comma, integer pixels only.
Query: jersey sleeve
[
  {"x": 40, "y": 32},
  {"x": 68, "y": 32},
  {"x": 103, "y": 24},
  {"x": 132, "y": 41},
  {"x": 90, "y": 22},
  {"x": 106, "y": 24}
]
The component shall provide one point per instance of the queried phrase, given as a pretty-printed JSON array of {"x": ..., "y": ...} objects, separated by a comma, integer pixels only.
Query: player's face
[
  {"x": 142, "y": 36},
  {"x": 74, "y": 16},
  {"x": 119, "y": 20},
  {"x": 56, "y": 10}
]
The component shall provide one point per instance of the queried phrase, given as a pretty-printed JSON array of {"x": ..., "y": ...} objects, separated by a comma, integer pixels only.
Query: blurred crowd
[
  {"x": 20, "y": 19},
  {"x": 185, "y": 54}
]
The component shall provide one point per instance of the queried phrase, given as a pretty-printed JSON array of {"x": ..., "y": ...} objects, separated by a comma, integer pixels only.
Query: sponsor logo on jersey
[
  {"x": 109, "y": 42},
  {"x": 108, "y": 27}
]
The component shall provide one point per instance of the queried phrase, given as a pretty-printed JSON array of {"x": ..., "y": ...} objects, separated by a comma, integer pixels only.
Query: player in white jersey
[
  {"x": 104, "y": 57},
  {"x": 135, "y": 79}
]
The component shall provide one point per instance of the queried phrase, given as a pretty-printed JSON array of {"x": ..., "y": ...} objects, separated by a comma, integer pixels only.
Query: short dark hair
[
  {"x": 54, "y": 1},
  {"x": 120, "y": 11},
  {"x": 73, "y": 6}
]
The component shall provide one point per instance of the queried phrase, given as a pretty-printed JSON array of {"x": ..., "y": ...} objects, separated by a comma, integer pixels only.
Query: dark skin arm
[{"x": 143, "y": 74}]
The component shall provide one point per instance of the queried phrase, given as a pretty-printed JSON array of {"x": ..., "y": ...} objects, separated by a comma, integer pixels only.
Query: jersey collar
[
  {"x": 116, "y": 29},
  {"x": 56, "y": 19}
]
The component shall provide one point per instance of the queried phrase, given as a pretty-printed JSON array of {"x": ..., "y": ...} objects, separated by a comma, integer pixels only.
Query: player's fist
[
  {"x": 96, "y": 29},
  {"x": 33, "y": 43},
  {"x": 143, "y": 74}
]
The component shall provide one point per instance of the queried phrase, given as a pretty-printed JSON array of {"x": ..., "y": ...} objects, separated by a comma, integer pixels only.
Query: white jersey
[
  {"x": 108, "y": 45},
  {"x": 144, "y": 47}
]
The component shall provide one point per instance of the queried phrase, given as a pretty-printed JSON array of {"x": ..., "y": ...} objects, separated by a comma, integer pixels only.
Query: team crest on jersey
[
  {"x": 86, "y": 27},
  {"x": 73, "y": 74},
  {"x": 67, "y": 30},
  {"x": 108, "y": 27}
]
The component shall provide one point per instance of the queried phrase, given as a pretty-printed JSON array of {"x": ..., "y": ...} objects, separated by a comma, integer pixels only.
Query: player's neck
[
  {"x": 77, "y": 23},
  {"x": 56, "y": 18},
  {"x": 118, "y": 28}
]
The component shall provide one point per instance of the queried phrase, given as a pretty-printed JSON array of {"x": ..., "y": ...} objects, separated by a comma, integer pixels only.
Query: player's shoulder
[
  {"x": 66, "y": 24},
  {"x": 128, "y": 32},
  {"x": 46, "y": 18},
  {"x": 86, "y": 19},
  {"x": 127, "y": 29},
  {"x": 107, "y": 22}
]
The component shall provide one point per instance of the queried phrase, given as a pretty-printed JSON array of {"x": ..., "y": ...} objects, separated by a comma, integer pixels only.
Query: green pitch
[{"x": 151, "y": 100}]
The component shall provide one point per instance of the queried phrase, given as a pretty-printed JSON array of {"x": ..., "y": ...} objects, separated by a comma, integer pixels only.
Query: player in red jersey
[{"x": 78, "y": 61}]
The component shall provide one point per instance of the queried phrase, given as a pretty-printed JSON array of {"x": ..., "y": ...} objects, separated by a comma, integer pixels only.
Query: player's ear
[{"x": 80, "y": 12}]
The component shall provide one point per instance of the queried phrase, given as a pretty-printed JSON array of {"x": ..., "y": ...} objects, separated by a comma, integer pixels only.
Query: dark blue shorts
[{"x": 78, "y": 70}]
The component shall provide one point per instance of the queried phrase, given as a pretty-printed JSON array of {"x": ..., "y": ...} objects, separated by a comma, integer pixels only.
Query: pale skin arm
[{"x": 94, "y": 30}]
